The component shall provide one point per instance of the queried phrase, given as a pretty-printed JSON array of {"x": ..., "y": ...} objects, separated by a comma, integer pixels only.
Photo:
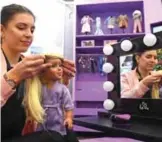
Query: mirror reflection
[{"x": 141, "y": 75}]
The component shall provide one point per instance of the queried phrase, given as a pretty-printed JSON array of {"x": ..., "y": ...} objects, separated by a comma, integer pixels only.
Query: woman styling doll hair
[
  {"x": 48, "y": 101},
  {"x": 142, "y": 81}
]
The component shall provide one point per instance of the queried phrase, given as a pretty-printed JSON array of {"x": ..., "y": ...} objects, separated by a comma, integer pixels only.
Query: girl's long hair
[{"x": 134, "y": 61}]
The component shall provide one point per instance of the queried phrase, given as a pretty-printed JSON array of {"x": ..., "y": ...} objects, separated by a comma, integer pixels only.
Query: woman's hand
[
  {"x": 29, "y": 66},
  {"x": 154, "y": 77},
  {"x": 69, "y": 71},
  {"x": 69, "y": 68}
]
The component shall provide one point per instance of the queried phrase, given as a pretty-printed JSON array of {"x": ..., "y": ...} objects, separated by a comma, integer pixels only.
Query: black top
[{"x": 13, "y": 113}]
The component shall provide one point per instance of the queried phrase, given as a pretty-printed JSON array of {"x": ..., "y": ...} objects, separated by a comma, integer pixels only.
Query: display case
[{"x": 96, "y": 26}]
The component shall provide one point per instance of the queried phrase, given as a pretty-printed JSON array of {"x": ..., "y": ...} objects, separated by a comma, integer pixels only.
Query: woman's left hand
[
  {"x": 69, "y": 71},
  {"x": 159, "y": 72},
  {"x": 69, "y": 68}
]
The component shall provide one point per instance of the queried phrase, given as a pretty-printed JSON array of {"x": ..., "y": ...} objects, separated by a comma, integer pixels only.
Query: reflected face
[
  {"x": 56, "y": 71},
  {"x": 18, "y": 33},
  {"x": 147, "y": 60}
]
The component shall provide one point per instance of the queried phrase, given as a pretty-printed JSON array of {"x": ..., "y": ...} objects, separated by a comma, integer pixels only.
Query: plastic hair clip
[{"x": 120, "y": 118}]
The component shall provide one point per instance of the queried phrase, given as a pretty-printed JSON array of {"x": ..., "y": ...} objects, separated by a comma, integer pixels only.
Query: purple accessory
[
  {"x": 123, "y": 116},
  {"x": 120, "y": 118}
]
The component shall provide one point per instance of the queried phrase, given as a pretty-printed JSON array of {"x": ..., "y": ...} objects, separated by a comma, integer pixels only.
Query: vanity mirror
[
  {"x": 134, "y": 70},
  {"x": 129, "y": 94},
  {"x": 156, "y": 27}
]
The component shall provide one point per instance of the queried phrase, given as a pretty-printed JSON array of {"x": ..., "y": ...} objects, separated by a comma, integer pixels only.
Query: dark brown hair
[
  {"x": 8, "y": 11},
  {"x": 134, "y": 61}
]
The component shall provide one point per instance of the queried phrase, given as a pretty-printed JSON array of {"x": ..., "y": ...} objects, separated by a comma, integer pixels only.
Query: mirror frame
[
  {"x": 153, "y": 25},
  {"x": 133, "y": 106}
]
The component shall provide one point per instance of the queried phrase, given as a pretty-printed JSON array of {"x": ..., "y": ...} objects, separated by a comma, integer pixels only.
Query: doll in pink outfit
[
  {"x": 138, "y": 82},
  {"x": 137, "y": 17}
]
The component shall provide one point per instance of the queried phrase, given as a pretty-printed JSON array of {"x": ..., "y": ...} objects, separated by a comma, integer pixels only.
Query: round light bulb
[
  {"x": 108, "y": 50},
  {"x": 149, "y": 40},
  {"x": 107, "y": 67},
  {"x": 108, "y": 104},
  {"x": 108, "y": 86},
  {"x": 126, "y": 45}
]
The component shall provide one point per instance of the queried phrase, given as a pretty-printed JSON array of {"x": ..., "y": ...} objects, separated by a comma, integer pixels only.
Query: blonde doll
[
  {"x": 48, "y": 101},
  {"x": 157, "y": 88}
]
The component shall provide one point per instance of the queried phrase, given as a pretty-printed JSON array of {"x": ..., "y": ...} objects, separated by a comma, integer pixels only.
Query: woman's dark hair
[
  {"x": 9, "y": 11},
  {"x": 134, "y": 61}
]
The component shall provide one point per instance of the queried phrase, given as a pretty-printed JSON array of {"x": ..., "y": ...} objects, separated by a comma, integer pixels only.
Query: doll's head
[
  {"x": 55, "y": 72},
  {"x": 98, "y": 19},
  {"x": 137, "y": 13}
]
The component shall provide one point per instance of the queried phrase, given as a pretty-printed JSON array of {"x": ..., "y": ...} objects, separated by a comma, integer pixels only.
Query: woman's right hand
[
  {"x": 29, "y": 66},
  {"x": 154, "y": 77}
]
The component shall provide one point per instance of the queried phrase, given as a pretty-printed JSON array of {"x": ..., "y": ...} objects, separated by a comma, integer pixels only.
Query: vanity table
[
  {"x": 146, "y": 113},
  {"x": 139, "y": 130}
]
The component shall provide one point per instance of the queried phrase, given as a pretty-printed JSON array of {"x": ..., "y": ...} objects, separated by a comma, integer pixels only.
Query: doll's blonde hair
[
  {"x": 155, "y": 89},
  {"x": 33, "y": 96}
]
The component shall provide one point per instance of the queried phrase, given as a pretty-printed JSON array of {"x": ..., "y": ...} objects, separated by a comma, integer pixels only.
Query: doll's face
[{"x": 56, "y": 71}]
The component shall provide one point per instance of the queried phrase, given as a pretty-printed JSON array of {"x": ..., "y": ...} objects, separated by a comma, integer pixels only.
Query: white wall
[
  {"x": 153, "y": 12},
  {"x": 49, "y": 33},
  {"x": 68, "y": 38}
]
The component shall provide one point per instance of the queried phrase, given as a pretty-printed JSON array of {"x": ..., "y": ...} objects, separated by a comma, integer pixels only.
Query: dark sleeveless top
[
  {"x": 148, "y": 93},
  {"x": 13, "y": 113}
]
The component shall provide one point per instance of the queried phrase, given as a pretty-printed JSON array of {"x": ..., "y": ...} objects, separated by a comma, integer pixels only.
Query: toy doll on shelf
[
  {"x": 110, "y": 22},
  {"x": 83, "y": 64},
  {"x": 137, "y": 17},
  {"x": 93, "y": 64},
  {"x": 122, "y": 21},
  {"x": 86, "y": 24},
  {"x": 101, "y": 60},
  {"x": 98, "y": 26}
]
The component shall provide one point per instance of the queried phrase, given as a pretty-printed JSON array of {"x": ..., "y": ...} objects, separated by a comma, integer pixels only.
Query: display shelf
[
  {"x": 89, "y": 50},
  {"x": 105, "y": 10},
  {"x": 89, "y": 93},
  {"x": 109, "y": 7},
  {"x": 88, "y": 111},
  {"x": 108, "y": 37},
  {"x": 90, "y": 103}
]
